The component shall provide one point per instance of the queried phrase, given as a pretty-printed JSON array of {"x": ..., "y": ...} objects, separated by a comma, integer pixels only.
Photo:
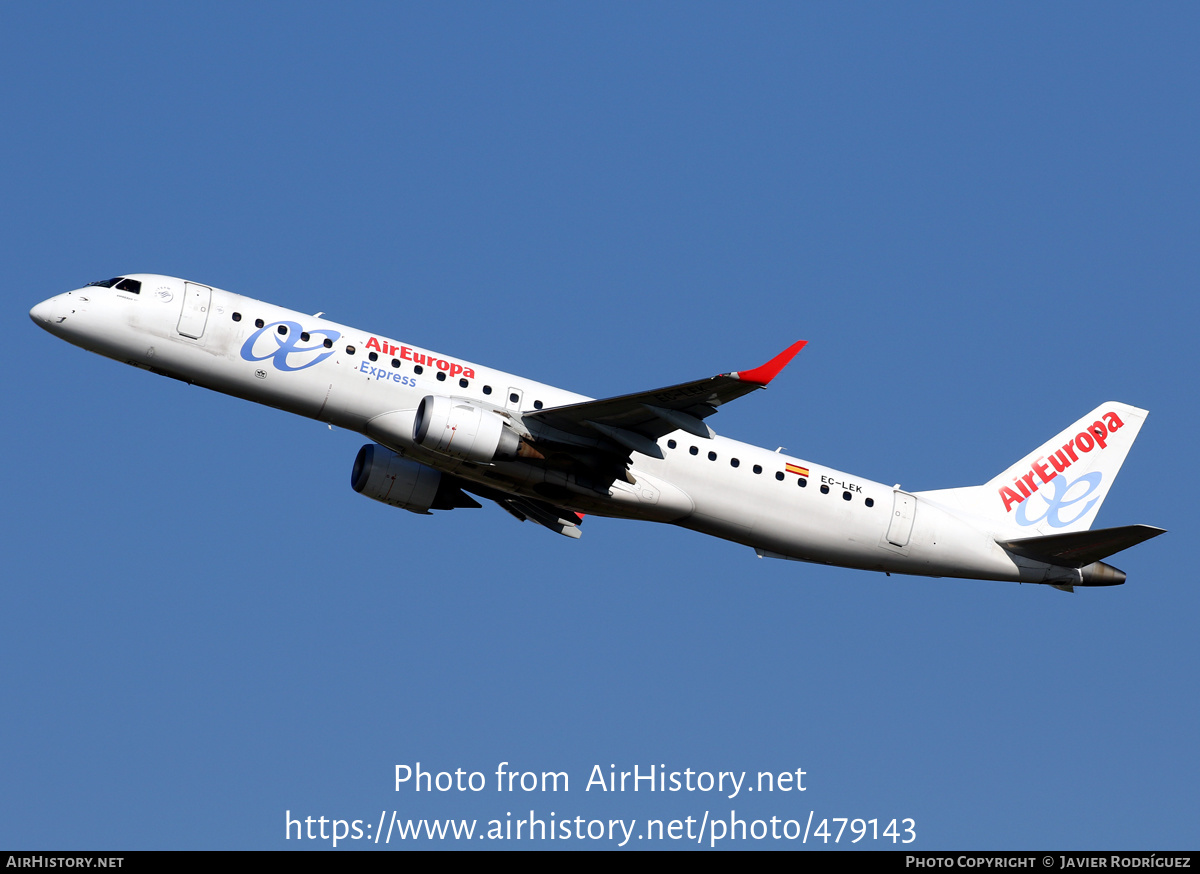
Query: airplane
[{"x": 445, "y": 429}]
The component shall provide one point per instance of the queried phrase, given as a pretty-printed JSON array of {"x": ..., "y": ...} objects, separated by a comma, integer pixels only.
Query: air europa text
[
  {"x": 407, "y": 353},
  {"x": 1095, "y": 437}
]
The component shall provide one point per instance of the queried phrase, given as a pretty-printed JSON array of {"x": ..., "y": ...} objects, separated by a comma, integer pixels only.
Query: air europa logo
[
  {"x": 1095, "y": 437},
  {"x": 1059, "y": 496},
  {"x": 406, "y": 353},
  {"x": 286, "y": 336}
]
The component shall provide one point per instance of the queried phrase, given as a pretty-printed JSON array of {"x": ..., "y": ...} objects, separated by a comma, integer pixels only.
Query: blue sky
[{"x": 982, "y": 217}]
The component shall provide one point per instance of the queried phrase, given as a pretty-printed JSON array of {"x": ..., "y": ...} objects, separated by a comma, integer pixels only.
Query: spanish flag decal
[{"x": 797, "y": 469}]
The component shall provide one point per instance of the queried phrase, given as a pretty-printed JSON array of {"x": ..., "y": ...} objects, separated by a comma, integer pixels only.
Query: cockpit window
[{"x": 120, "y": 283}]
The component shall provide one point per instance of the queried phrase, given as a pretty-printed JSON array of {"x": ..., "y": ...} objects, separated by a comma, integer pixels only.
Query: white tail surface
[{"x": 1060, "y": 486}]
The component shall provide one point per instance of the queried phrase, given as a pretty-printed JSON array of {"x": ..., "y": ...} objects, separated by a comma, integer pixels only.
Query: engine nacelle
[
  {"x": 463, "y": 430},
  {"x": 382, "y": 475}
]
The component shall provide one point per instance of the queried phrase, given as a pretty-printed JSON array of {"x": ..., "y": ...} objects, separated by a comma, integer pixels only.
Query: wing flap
[{"x": 557, "y": 519}]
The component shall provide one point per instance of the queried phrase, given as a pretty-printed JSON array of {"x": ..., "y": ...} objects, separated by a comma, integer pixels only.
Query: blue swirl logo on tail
[
  {"x": 285, "y": 346},
  {"x": 1058, "y": 500}
]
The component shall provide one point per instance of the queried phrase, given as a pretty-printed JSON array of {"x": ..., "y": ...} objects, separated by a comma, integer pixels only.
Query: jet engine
[
  {"x": 463, "y": 430},
  {"x": 382, "y": 475}
]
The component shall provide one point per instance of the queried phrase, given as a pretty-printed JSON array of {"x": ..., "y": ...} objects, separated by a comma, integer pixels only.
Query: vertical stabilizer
[{"x": 1059, "y": 487}]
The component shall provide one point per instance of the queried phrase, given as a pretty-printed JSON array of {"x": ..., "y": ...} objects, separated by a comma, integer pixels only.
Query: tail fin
[{"x": 1059, "y": 487}]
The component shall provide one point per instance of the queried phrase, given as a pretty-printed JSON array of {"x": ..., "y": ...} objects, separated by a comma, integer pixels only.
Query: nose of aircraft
[{"x": 44, "y": 313}]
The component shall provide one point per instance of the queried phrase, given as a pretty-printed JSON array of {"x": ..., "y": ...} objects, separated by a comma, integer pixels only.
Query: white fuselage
[{"x": 372, "y": 384}]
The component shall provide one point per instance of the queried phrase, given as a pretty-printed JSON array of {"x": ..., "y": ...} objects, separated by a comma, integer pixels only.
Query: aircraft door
[
  {"x": 903, "y": 511},
  {"x": 513, "y": 401},
  {"x": 196, "y": 301}
]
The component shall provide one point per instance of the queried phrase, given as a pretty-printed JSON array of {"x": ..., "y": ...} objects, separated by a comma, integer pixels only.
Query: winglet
[{"x": 767, "y": 372}]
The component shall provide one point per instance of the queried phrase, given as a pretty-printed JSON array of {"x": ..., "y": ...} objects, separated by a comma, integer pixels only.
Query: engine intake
[
  {"x": 392, "y": 479},
  {"x": 462, "y": 430}
]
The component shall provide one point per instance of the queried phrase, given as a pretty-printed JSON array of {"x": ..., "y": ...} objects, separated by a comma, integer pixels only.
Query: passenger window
[
  {"x": 693, "y": 450},
  {"x": 870, "y": 502},
  {"x": 237, "y": 317},
  {"x": 779, "y": 475},
  {"x": 304, "y": 336},
  {"x": 374, "y": 356},
  {"x": 463, "y": 383},
  {"x": 537, "y": 405},
  {"x": 514, "y": 398},
  {"x": 441, "y": 376},
  {"x": 418, "y": 369},
  {"x": 395, "y": 362},
  {"x": 258, "y": 323},
  {"x": 487, "y": 389},
  {"x": 845, "y": 496},
  {"x": 282, "y": 329},
  {"x": 328, "y": 343},
  {"x": 349, "y": 350},
  {"x": 802, "y": 482},
  {"x": 671, "y": 444},
  {"x": 824, "y": 489},
  {"x": 733, "y": 462},
  {"x": 712, "y": 456},
  {"x": 758, "y": 468}
]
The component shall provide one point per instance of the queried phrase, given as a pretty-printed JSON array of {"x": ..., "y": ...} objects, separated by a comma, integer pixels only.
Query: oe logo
[
  {"x": 285, "y": 346},
  {"x": 1058, "y": 500}
]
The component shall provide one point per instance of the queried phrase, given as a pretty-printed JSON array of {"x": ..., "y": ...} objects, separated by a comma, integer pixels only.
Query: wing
[
  {"x": 634, "y": 422},
  {"x": 587, "y": 446}
]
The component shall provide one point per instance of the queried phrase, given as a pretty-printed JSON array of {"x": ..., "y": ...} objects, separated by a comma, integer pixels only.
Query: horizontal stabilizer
[{"x": 1081, "y": 548}]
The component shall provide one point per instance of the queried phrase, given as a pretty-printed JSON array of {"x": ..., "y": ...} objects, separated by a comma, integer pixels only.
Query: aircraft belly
[
  {"x": 814, "y": 538},
  {"x": 649, "y": 498}
]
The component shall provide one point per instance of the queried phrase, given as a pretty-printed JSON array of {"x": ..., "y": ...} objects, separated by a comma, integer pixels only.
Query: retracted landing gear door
[{"x": 196, "y": 300}]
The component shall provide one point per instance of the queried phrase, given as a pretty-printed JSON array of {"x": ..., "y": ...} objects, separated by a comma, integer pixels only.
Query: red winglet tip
[{"x": 770, "y": 370}]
